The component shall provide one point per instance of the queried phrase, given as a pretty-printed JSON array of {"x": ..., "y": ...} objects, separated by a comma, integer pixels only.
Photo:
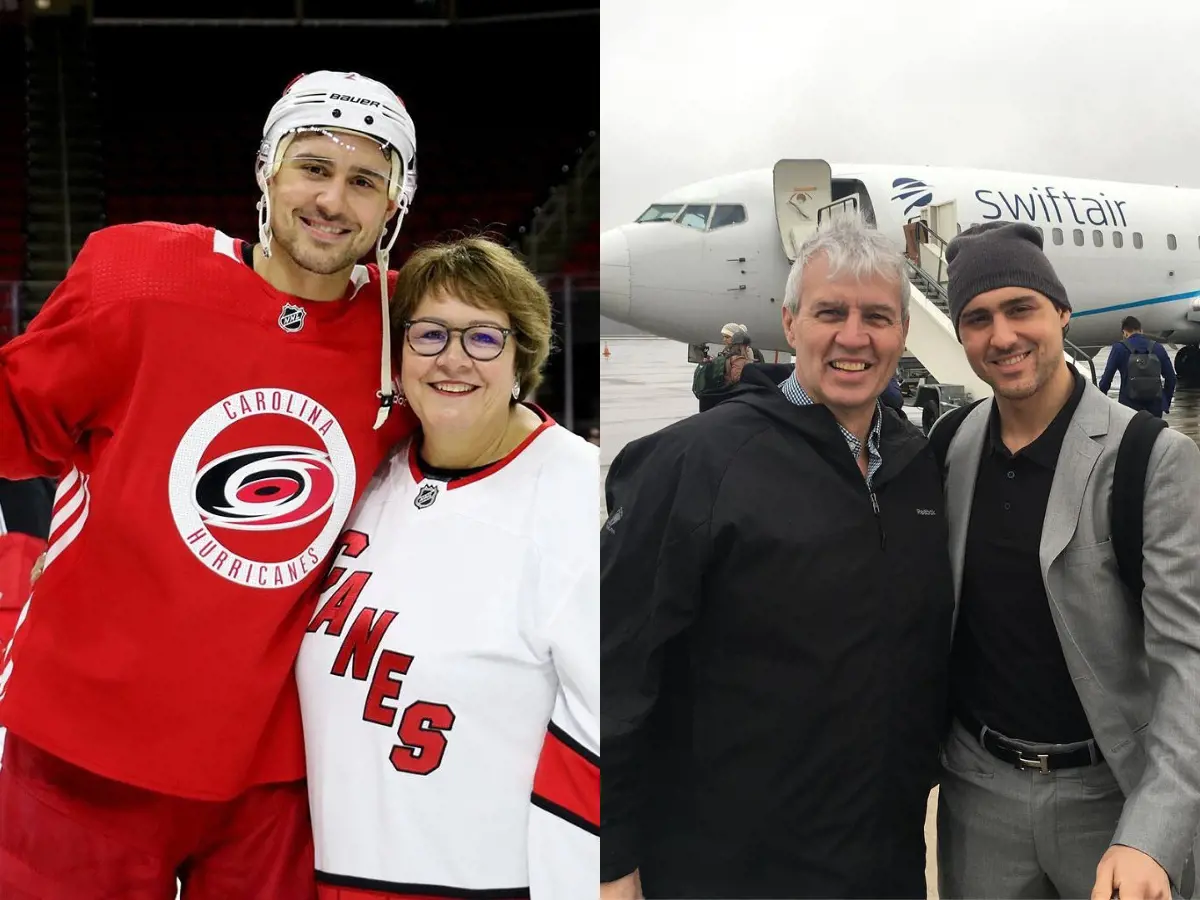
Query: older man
[
  {"x": 776, "y": 603},
  {"x": 1073, "y": 766}
]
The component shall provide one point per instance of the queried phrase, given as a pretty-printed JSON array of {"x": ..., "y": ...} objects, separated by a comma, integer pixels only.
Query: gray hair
[{"x": 852, "y": 248}]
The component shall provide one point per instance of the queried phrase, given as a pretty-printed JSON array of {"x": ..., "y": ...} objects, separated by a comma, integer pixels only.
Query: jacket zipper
[{"x": 878, "y": 520}]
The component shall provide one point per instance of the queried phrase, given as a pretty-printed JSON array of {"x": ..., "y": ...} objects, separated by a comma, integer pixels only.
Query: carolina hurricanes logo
[
  {"x": 261, "y": 485},
  {"x": 270, "y": 488}
]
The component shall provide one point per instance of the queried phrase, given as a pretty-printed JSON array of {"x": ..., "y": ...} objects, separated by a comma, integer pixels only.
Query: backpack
[
  {"x": 1143, "y": 375},
  {"x": 1128, "y": 490},
  {"x": 709, "y": 376}
]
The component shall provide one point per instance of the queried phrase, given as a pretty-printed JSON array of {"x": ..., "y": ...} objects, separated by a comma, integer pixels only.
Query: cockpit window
[
  {"x": 661, "y": 212},
  {"x": 727, "y": 214},
  {"x": 695, "y": 217}
]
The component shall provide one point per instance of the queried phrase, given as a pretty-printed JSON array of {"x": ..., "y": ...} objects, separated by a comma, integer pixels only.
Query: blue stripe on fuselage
[{"x": 1152, "y": 301}]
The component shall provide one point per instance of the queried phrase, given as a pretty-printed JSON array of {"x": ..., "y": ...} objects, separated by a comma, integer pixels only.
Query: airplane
[{"x": 720, "y": 251}]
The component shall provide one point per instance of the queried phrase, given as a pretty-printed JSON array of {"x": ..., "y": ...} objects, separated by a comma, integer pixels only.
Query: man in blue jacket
[{"x": 1144, "y": 385}]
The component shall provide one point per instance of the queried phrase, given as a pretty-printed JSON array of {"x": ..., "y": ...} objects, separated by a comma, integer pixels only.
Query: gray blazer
[{"x": 1138, "y": 677}]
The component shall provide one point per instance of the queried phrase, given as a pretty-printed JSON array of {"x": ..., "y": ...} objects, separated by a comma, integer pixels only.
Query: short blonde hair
[{"x": 488, "y": 276}]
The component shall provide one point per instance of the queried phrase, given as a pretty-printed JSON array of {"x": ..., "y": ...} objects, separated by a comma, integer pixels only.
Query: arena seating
[
  {"x": 193, "y": 162},
  {"x": 12, "y": 160}
]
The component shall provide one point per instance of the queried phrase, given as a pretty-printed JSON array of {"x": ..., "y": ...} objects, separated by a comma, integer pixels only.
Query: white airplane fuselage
[{"x": 1118, "y": 248}]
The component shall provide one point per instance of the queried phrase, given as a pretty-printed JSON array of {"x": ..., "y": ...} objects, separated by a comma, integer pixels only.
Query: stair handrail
[
  {"x": 937, "y": 240},
  {"x": 1078, "y": 354},
  {"x": 850, "y": 201},
  {"x": 933, "y": 283}
]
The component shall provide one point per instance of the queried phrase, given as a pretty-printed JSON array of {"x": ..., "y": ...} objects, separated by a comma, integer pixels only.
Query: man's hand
[
  {"x": 37, "y": 569},
  {"x": 1131, "y": 875},
  {"x": 628, "y": 888}
]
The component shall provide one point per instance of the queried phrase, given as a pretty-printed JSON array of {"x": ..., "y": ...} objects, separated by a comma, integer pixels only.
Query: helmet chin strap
[{"x": 387, "y": 392}]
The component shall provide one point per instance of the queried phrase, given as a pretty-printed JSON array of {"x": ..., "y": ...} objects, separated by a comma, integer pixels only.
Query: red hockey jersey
[{"x": 211, "y": 435}]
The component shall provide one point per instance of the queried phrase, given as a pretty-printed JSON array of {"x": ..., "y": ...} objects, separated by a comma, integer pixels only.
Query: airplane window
[
  {"x": 1042, "y": 233},
  {"x": 1137, "y": 240},
  {"x": 1057, "y": 233},
  {"x": 661, "y": 212},
  {"x": 1171, "y": 244},
  {"x": 1097, "y": 238},
  {"x": 727, "y": 214},
  {"x": 695, "y": 217},
  {"x": 1118, "y": 239},
  {"x": 1078, "y": 237}
]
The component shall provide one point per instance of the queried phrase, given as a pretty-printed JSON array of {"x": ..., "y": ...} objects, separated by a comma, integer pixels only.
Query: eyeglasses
[{"x": 480, "y": 342}]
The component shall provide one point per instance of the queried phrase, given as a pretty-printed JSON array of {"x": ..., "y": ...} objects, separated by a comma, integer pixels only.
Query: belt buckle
[{"x": 1042, "y": 763}]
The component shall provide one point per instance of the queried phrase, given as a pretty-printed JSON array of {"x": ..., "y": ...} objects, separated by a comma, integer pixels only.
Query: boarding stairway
[
  {"x": 804, "y": 186},
  {"x": 933, "y": 286},
  {"x": 931, "y": 339}
]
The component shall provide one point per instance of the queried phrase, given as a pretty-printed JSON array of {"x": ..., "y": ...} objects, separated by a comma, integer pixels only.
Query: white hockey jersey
[{"x": 450, "y": 682}]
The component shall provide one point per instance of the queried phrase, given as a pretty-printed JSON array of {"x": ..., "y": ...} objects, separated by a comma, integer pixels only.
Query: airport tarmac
[{"x": 646, "y": 384}]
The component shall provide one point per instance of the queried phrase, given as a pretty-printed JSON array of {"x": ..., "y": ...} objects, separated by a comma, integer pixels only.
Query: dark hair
[{"x": 1131, "y": 323}]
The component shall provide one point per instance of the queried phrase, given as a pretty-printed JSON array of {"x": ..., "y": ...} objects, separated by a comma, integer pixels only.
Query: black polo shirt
[{"x": 1007, "y": 667}]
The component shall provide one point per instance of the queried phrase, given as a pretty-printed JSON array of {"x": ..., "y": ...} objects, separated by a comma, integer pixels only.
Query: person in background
[
  {"x": 728, "y": 330},
  {"x": 758, "y": 357},
  {"x": 1147, "y": 376},
  {"x": 711, "y": 379},
  {"x": 892, "y": 395},
  {"x": 739, "y": 353}
]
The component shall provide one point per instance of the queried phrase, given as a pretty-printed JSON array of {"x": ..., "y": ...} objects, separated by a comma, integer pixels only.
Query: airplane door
[
  {"x": 733, "y": 256},
  {"x": 733, "y": 267},
  {"x": 942, "y": 220},
  {"x": 802, "y": 187}
]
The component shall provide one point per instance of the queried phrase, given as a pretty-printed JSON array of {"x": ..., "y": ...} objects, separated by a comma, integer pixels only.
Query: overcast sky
[{"x": 1089, "y": 88}]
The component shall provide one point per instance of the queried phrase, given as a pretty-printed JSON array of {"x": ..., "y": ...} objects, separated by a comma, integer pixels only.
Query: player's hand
[
  {"x": 627, "y": 888},
  {"x": 37, "y": 569},
  {"x": 1131, "y": 875}
]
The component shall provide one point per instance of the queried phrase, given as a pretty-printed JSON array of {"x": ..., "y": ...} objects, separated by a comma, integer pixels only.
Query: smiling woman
[
  {"x": 473, "y": 328},
  {"x": 479, "y": 536}
]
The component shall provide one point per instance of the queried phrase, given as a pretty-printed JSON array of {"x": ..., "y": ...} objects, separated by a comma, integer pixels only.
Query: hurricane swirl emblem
[{"x": 265, "y": 489}]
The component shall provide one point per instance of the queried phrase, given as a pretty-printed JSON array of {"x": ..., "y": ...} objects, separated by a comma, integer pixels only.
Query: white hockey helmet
[{"x": 345, "y": 101}]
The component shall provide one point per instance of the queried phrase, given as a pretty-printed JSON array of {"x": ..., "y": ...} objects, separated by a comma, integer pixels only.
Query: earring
[{"x": 516, "y": 391}]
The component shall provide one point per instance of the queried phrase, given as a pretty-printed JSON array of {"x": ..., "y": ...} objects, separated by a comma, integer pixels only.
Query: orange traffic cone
[{"x": 606, "y": 354}]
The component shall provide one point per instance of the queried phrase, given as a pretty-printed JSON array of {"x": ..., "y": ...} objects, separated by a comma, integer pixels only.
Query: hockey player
[
  {"x": 450, "y": 679},
  {"x": 213, "y": 410}
]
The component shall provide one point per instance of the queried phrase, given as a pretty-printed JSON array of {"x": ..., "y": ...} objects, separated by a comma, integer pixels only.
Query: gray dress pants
[{"x": 1017, "y": 833}]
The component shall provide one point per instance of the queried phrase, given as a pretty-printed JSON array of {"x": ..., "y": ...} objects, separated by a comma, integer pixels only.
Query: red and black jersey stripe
[{"x": 567, "y": 781}]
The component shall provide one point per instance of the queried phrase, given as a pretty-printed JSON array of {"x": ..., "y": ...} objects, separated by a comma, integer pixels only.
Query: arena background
[{"x": 118, "y": 111}]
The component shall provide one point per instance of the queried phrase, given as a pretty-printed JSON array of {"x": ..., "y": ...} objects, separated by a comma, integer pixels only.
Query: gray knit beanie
[{"x": 996, "y": 255}]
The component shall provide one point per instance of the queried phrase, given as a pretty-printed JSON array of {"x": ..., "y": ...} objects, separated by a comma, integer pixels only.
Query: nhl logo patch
[
  {"x": 426, "y": 496},
  {"x": 291, "y": 319}
]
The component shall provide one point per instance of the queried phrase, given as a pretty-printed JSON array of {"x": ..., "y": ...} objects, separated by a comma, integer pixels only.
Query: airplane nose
[{"x": 614, "y": 275}]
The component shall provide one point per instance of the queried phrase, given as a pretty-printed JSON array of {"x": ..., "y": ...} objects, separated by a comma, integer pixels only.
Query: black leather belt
[{"x": 1023, "y": 758}]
